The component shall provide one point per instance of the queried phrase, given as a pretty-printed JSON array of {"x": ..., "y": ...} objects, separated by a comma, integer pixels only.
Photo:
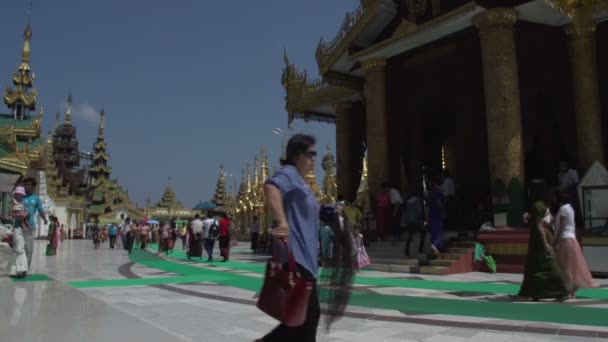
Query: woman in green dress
[
  {"x": 51, "y": 248},
  {"x": 541, "y": 275}
]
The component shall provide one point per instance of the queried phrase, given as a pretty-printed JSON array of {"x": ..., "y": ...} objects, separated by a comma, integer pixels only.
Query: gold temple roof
[
  {"x": 314, "y": 100},
  {"x": 23, "y": 79}
]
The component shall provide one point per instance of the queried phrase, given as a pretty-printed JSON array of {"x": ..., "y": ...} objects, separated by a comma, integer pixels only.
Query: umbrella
[
  {"x": 152, "y": 222},
  {"x": 205, "y": 205}
]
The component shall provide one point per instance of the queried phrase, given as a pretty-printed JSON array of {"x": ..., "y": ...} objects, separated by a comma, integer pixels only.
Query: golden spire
[
  {"x": 363, "y": 191},
  {"x": 220, "y": 191},
  {"x": 330, "y": 187},
  {"x": 23, "y": 80},
  {"x": 101, "y": 123},
  {"x": 25, "y": 58},
  {"x": 264, "y": 168},
  {"x": 57, "y": 120},
  {"x": 248, "y": 184},
  {"x": 68, "y": 113},
  {"x": 242, "y": 189}
]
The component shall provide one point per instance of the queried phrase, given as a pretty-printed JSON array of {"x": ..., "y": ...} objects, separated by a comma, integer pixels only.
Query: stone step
[
  {"x": 457, "y": 250},
  {"x": 442, "y": 263},
  {"x": 434, "y": 270},
  {"x": 389, "y": 268},
  {"x": 396, "y": 261},
  {"x": 463, "y": 244},
  {"x": 448, "y": 256}
]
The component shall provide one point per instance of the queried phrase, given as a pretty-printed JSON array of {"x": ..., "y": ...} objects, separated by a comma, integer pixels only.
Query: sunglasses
[{"x": 310, "y": 154}]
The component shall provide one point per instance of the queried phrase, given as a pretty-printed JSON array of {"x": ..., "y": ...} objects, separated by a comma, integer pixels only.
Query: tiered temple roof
[
  {"x": 169, "y": 207},
  {"x": 21, "y": 147},
  {"x": 220, "y": 190},
  {"x": 106, "y": 196},
  {"x": 66, "y": 156},
  {"x": 330, "y": 187}
]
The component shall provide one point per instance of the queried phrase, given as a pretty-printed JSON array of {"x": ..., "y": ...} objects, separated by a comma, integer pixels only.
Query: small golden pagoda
[
  {"x": 220, "y": 190},
  {"x": 108, "y": 202},
  {"x": 20, "y": 138},
  {"x": 330, "y": 187},
  {"x": 362, "y": 200},
  {"x": 169, "y": 207}
]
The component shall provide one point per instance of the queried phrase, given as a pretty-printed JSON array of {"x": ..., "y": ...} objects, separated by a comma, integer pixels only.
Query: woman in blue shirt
[{"x": 296, "y": 209}]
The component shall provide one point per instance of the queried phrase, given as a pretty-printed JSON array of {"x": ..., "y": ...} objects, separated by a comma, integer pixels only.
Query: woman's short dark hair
[
  {"x": 297, "y": 145},
  {"x": 30, "y": 180}
]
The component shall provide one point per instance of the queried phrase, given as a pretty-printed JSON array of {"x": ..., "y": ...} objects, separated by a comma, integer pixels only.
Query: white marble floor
[{"x": 55, "y": 311}]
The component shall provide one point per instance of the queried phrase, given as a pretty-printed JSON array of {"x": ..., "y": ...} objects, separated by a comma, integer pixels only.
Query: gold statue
[{"x": 330, "y": 187}]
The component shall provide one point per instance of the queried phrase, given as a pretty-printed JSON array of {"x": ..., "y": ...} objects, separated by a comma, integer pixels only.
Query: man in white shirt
[
  {"x": 396, "y": 209},
  {"x": 567, "y": 177},
  {"x": 211, "y": 230},
  {"x": 197, "y": 225}
]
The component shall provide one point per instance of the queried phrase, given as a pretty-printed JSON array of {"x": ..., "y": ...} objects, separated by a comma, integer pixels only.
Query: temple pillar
[
  {"x": 345, "y": 162},
  {"x": 503, "y": 112},
  {"x": 376, "y": 118},
  {"x": 581, "y": 42}
]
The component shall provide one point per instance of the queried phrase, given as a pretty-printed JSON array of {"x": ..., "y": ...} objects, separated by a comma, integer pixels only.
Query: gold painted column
[
  {"x": 376, "y": 125},
  {"x": 503, "y": 110},
  {"x": 344, "y": 158},
  {"x": 581, "y": 42}
]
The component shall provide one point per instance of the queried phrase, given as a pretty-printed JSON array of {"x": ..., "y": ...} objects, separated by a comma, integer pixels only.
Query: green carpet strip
[
  {"x": 33, "y": 277},
  {"x": 452, "y": 286},
  {"x": 513, "y": 311}
]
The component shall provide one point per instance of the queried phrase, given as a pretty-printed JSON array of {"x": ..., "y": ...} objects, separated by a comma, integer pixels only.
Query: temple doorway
[{"x": 547, "y": 146}]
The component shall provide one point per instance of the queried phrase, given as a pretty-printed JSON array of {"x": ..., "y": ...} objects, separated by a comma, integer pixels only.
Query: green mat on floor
[
  {"x": 33, "y": 277},
  {"x": 440, "y": 285},
  {"x": 145, "y": 281},
  {"x": 549, "y": 313}
]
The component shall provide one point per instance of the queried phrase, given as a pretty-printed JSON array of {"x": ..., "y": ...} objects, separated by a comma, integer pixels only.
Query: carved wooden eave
[
  {"x": 16, "y": 162},
  {"x": 315, "y": 100},
  {"x": 408, "y": 35},
  {"x": 359, "y": 27}
]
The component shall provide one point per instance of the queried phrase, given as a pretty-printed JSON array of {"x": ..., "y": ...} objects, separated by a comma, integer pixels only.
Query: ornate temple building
[
  {"x": 65, "y": 178},
  {"x": 220, "y": 197},
  {"x": 408, "y": 79},
  {"x": 21, "y": 147},
  {"x": 169, "y": 207},
  {"x": 108, "y": 202},
  {"x": 330, "y": 187},
  {"x": 250, "y": 200}
]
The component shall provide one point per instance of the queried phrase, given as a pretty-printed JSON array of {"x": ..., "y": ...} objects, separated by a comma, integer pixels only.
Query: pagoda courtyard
[{"x": 494, "y": 96}]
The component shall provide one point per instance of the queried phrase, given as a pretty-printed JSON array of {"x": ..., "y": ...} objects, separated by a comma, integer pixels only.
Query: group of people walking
[{"x": 204, "y": 231}]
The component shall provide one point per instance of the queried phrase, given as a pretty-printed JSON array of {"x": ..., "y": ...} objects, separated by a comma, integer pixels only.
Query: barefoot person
[
  {"x": 24, "y": 241},
  {"x": 541, "y": 274},
  {"x": 570, "y": 258},
  {"x": 296, "y": 209}
]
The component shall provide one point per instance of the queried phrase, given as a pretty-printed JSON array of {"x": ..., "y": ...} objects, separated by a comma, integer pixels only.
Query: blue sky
[{"x": 186, "y": 84}]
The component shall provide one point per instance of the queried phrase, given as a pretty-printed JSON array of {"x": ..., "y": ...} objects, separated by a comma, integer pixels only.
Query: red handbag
[{"x": 285, "y": 294}]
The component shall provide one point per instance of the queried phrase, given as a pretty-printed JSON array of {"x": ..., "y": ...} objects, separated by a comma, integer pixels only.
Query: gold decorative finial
[
  {"x": 26, "y": 45},
  {"x": 68, "y": 113},
  {"x": 101, "y": 122},
  {"x": 285, "y": 57}
]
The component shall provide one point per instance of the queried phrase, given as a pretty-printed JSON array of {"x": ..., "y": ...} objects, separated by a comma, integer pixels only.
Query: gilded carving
[
  {"x": 495, "y": 18},
  {"x": 374, "y": 64},
  {"x": 501, "y": 83},
  {"x": 581, "y": 41},
  {"x": 376, "y": 123},
  {"x": 302, "y": 95},
  {"x": 354, "y": 23}
]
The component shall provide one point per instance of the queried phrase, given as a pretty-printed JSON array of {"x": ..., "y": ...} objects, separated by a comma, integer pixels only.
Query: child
[
  {"x": 22, "y": 228},
  {"x": 362, "y": 257},
  {"x": 326, "y": 237},
  {"x": 18, "y": 211}
]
